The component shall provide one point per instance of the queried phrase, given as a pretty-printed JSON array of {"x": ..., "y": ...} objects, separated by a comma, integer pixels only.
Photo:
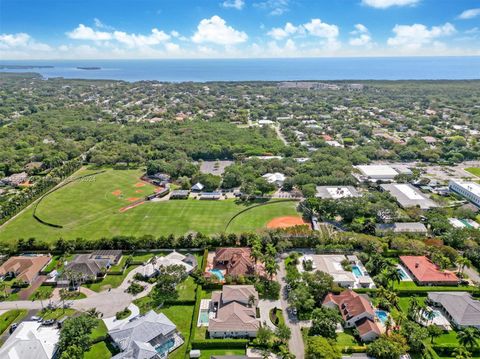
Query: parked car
[{"x": 13, "y": 327}]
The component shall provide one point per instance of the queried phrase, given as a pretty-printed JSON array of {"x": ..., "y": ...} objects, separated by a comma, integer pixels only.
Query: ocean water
[{"x": 201, "y": 70}]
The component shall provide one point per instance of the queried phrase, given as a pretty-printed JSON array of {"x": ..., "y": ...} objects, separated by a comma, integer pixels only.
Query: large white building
[
  {"x": 408, "y": 196},
  {"x": 468, "y": 190},
  {"x": 378, "y": 172}
]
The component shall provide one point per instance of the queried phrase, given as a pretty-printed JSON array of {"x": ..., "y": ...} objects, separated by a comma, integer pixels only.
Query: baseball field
[{"x": 111, "y": 203}]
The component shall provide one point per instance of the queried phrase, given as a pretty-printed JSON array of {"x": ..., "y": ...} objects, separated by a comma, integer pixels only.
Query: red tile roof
[
  {"x": 350, "y": 304},
  {"x": 238, "y": 261},
  {"x": 26, "y": 268},
  {"x": 427, "y": 272},
  {"x": 366, "y": 326}
]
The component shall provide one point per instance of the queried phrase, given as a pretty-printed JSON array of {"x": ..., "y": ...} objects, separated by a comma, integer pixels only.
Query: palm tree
[
  {"x": 63, "y": 296},
  {"x": 413, "y": 308},
  {"x": 463, "y": 263},
  {"x": 468, "y": 337},
  {"x": 251, "y": 300},
  {"x": 393, "y": 275},
  {"x": 3, "y": 288},
  {"x": 462, "y": 353}
]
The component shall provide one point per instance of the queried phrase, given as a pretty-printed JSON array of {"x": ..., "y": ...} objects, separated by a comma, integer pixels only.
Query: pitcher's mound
[{"x": 287, "y": 221}]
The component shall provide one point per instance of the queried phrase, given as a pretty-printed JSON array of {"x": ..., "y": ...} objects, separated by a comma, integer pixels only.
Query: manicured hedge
[
  {"x": 355, "y": 349},
  {"x": 220, "y": 343}
]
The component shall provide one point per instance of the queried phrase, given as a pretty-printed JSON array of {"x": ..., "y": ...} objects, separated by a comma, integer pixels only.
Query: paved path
[
  {"x": 107, "y": 302},
  {"x": 472, "y": 274},
  {"x": 265, "y": 306},
  {"x": 295, "y": 344},
  {"x": 280, "y": 135}
]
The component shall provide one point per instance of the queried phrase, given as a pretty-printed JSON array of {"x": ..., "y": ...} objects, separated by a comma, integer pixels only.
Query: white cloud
[
  {"x": 469, "y": 14},
  {"x": 216, "y": 31},
  {"x": 321, "y": 29},
  {"x": 14, "y": 40},
  {"x": 83, "y": 32},
  {"x": 21, "y": 41},
  {"x": 275, "y": 7},
  {"x": 360, "y": 29},
  {"x": 137, "y": 40},
  {"x": 383, "y": 4},
  {"x": 99, "y": 24},
  {"x": 235, "y": 4},
  {"x": 279, "y": 33},
  {"x": 362, "y": 38},
  {"x": 417, "y": 35}
]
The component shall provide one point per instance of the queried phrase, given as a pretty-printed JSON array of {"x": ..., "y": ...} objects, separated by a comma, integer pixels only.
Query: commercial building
[
  {"x": 401, "y": 228},
  {"x": 336, "y": 192},
  {"x": 408, "y": 196},
  {"x": 377, "y": 172},
  {"x": 468, "y": 190}
]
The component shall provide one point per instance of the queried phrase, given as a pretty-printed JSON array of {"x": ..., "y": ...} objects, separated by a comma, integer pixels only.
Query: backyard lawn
[
  {"x": 56, "y": 314},
  {"x": 181, "y": 315},
  {"x": 98, "y": 351},
  {"x": 206, "y": 354},
  {"x": 97, "y": 214},
  {"x": 7, "y": 318},
  {"x": 110, "y": 281}
]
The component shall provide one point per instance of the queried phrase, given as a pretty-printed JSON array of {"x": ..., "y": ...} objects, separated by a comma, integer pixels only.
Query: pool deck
[{"x": 408, "y": 278}]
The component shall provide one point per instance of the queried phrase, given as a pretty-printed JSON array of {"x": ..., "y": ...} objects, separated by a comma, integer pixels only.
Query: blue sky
[{"x": 87, "y": 29}]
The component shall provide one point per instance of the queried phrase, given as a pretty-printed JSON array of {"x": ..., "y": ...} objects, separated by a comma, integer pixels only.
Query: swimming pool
[
  {"x": 165, "y": 347},
  {"x": 403, "y": 275},
  {"x": 203, "y": 317},
  {"x": 356, "y": 271},
  {"x": 381, "y": 315},
  {"x": 217, "y": 273}
]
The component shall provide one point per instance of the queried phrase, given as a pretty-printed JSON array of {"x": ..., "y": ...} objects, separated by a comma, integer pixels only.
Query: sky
[{"x": 143, "y": 29}]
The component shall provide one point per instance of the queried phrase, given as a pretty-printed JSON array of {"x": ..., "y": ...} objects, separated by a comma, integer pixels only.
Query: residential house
[
  {"x": 235, "y": 310},
  {"x": 235, "y": 261},
  {"x": 24, "y": 268},
  {"x": 92, "y": 265},
  {"x": 15, "y": 179},
  {"x": 146, "y": 337},
  {"x": 459, "y": 307},
  {"x": 275, "y": 178},
  {"x": 31, "y": 340},
  {"x": 356, "y": 311},
  {"x": 424, "y": 272},
  {"x": 189, "y": 262}
]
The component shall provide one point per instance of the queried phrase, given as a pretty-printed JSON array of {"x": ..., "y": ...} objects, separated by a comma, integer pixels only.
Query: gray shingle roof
[
  {"x": 134, "y": 336},
  {"x": 464, "y": 310}
]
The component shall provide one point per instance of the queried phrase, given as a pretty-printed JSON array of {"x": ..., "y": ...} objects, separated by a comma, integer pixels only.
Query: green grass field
[
  {"x": 90, "y": 209},
  {"x": 474, "y": 171}
]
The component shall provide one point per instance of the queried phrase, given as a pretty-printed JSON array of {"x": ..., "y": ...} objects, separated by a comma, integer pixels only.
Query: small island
[{"x": 88, "y": 68}]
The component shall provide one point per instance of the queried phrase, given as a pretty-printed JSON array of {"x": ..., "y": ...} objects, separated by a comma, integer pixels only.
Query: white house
[
  {"x": 276, "y": 178},
  {"x": 31, "y": 340}
]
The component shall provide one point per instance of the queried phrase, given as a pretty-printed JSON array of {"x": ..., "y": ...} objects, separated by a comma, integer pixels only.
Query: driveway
[
  {"x": 265, "y": 306},
  {"x": 472, "y": 274},
  {"x": 295, "y": 344},
  {"x": 107, "y": 302}
]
